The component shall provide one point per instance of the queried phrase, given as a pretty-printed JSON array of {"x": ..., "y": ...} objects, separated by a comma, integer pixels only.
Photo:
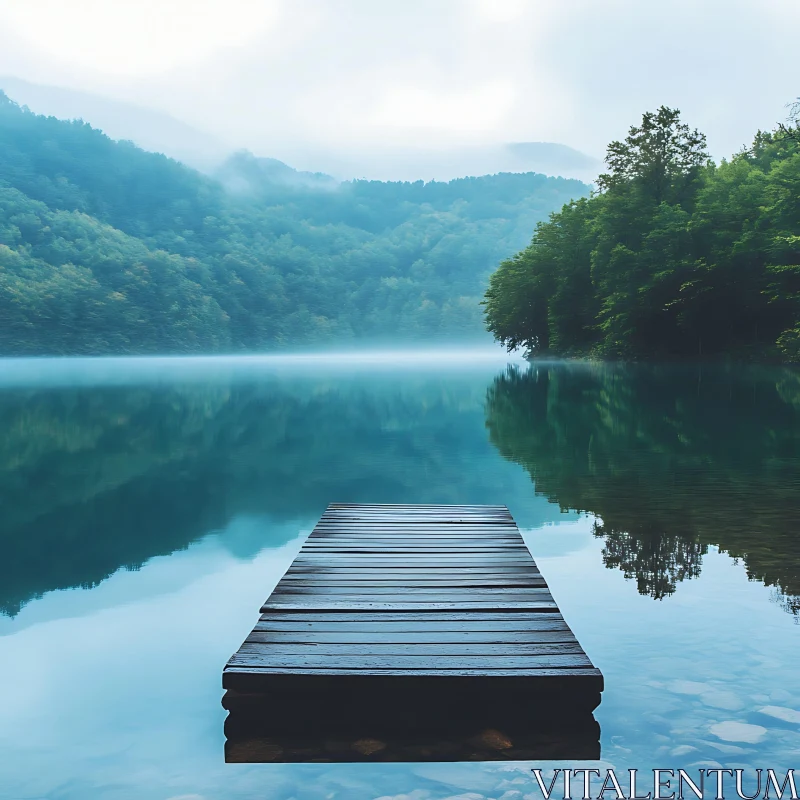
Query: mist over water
[{"x": 133, "y": 369}]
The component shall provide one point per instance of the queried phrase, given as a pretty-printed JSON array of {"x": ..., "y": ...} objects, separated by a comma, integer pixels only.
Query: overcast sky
[{"x": 273, "y": 75}]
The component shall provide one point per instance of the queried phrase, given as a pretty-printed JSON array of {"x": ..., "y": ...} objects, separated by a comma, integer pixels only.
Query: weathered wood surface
[{"x": 409, "y": 614}]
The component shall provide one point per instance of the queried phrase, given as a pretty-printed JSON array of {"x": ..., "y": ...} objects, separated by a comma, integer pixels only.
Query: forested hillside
[
  {"x": 105, "y": 248},
  {"x": 674, "y": 257}
]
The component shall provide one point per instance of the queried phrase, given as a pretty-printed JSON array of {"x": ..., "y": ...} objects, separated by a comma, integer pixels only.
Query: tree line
[{"x": 673, "y": 256}]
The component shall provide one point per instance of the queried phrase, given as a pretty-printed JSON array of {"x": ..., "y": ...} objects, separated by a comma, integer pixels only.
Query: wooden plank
[
  {"x": 446, "y": 532},
  {"x": 405, "y": 605},
  {"x": 407, "y": 577},
  {"x": 477, "y": 669},
  {"x": 444, "y": 539},
  {"x": 430, "y": 541},
  {"x": 391, "y": 636},
  {"x": 444, "y": 525},
  {"x": 411, "y": 507},
  {"x": 421, "y": 523},
  {"x": 316, "y": 650},
  {"x": 392, "y": 558},
  {"x": 443, "y": 559},
  {"x": 404, "y": 540},
  {"x": 411, "y": 547},
  {"x": 443, "y": 531},
  {"x": 410, "y": 562},
  {"x": 413, "y": 623},
  {"x": 244, "y": 678},
  {"x": 385, "y": 617},
  {"x": 445, "y": 522},
  {"x": 406, "y": 519},
  {"x": 414, "y": 533},
  {"x": 432, "y": 559},
  {"x": 389, "y": 595},
  {"x": 415, "y": 583},
  {"x": 455, "y": 515},
  {"x": 362, "y": 512},
  {"x": 256, "y": 655},
  {"x": 406, "y": 508},
  {"x": 450, "y": 512},
  {"x": 327, "y": 555},
  {"x": 365, "y": 507},
  {"x": 397, "y": 571},
  {"x": 314, "y": 574},
  {"x": 393, "y": 594},
  {"x": 413, "y": 540}
]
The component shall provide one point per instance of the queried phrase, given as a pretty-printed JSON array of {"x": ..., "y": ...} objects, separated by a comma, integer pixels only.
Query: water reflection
[
  {"x": 94, "y": 478},
  {"x": 671, "y": 460}
]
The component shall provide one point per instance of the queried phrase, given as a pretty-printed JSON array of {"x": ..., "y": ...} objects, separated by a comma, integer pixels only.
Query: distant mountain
[
  {"x": 244, "y": 173},
  {"x": 550, "y": 158},
  {"x": 149, "y": 129},
  {"x": 445, "y": 164}
]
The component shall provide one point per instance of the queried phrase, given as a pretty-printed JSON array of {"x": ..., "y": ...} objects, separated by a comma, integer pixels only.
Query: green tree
[{"x": 661, "y": 157}]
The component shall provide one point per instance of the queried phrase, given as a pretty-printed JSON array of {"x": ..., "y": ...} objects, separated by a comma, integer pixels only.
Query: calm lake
[{"x": 149, "y": 506}]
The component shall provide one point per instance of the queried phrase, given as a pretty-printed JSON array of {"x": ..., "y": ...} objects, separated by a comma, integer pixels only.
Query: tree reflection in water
[{"x": 670, "y": 459}]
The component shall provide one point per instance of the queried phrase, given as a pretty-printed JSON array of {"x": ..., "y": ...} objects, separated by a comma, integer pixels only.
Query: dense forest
[
  {"x": 648, "y": 450},
  {"x": 105, "y": 248},
  {"x": 673, "y": 256}
]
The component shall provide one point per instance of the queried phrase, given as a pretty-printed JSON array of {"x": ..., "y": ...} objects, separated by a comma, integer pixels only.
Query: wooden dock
[{"x": 423, "y": 631}]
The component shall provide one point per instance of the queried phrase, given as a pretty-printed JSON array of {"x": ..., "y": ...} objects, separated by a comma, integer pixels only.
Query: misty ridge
[
  {"x": 160, "y": 132},
  {"x": 110, "y": 249}
]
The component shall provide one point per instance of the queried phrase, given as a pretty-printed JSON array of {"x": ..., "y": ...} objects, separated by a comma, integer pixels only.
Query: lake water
[{"x": 149, "y": 506}]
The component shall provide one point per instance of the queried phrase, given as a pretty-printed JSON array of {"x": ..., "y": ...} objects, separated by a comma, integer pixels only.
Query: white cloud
[
  {"x": 502, "y": 10},
  {"x": 136, "y": 37},
  {"x": 477, "y": 109}
]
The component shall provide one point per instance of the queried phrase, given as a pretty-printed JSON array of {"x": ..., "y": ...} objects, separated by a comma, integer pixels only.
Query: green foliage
[
  {"x": 661, "y": 157},
  {"x": 105, "y": 248},
  {"x": 676, "y": 257}
]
